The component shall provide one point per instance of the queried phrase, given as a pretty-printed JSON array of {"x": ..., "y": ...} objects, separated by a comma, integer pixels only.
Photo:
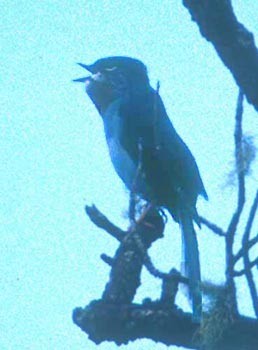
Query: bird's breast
[
  {"x": 120, "y": 158},
  {"x": 122, "y": 162}
]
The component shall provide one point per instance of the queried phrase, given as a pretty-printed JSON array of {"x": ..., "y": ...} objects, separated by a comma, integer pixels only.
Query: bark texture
[{"x": 234, "y": 44}]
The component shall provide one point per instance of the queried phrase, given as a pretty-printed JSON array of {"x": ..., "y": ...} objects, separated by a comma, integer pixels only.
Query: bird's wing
[{"x": 168, "y": 164}]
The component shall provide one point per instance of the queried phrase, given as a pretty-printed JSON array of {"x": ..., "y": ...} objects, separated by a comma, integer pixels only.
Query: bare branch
[
  {"x": 231, "y": 231},
  {"x": 250, "y": 243},
  {"x": 247, "y": 268},
  {"x": 127, "y": 264},
  {"x": 102, "y": 221},
  {"x": 234, "y": 44},
  {"x": 128, "y": 322},
  {"x": 240, "y": 168},
  {"x": 247, "y": 263},
  {"x": 107, "y": 259},
  {"x": 213, "y": 227},
  {"x": 173, "y": 275},
  {"x": 248, "y": 246},
  {"x": 132, "y": 205},
  {"x": 250, "y": 221},
  {"x": 156, "y": 321},
  {"x": 170, "y": 288}
]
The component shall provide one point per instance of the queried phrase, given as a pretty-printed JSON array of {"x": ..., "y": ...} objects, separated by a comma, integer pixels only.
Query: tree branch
[
  {"x": 102, "y": 221},
  {"x": 247, "y": 263},
  {"x": 248, "y": 245},
  {"x": 213, "y": 227},
  {"x": 247, "y": 268},
  {"x": 127, "y": 264},
  {"x": 234, "y": 44},
  {"x": 240, "y": 171},
  {"x": 158, "y": 322},
  {"x": 231, "y": 231},
  {"x": 115, "y": 318}
]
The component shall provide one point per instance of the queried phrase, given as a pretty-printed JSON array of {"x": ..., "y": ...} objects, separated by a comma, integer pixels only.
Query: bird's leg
[
  {"x": 141, "y": 220},
  {"x": 133, "y": 196},
  {"x": 148, "y": 207},
  {"x": 132, "y": 205}
]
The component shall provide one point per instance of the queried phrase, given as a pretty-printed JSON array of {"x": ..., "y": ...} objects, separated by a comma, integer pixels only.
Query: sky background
[{"x": 54, "y": 159}]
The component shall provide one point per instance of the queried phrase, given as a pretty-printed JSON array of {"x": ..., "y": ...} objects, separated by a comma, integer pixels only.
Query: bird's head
[{"x": 112, "y": 78}]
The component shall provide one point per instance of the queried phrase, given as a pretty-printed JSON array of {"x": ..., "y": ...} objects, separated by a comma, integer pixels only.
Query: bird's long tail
[{"x": 190, "y": 262}]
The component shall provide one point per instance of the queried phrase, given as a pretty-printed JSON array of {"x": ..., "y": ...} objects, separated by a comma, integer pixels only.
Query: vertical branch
[
  {"x": 239, "y": 156},
  {"x": 132, "y": 205},
  {"x": 231, "y": 231},
  {"x": 247, "y": 268},
  {"x": 133, "y": 192}
]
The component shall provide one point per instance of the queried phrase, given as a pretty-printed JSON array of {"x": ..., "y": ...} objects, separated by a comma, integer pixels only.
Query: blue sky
[{"x": 54, "y": 158}]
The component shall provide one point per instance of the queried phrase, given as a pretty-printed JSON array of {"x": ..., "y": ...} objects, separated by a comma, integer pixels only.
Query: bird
[{"x": 147, "y": 153}]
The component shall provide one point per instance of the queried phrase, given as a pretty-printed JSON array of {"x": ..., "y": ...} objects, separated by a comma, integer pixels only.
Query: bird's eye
[{"x": 111, "y": 69}]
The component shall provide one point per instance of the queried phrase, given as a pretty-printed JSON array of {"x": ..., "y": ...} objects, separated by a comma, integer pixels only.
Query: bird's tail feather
[{"x": 190, "y": 262}]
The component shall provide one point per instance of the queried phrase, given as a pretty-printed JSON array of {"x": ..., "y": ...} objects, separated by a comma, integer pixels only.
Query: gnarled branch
[{"x": 234, "y": 44}]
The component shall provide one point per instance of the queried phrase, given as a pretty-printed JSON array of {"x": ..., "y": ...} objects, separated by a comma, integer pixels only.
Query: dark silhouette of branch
[
  {"x": 170, "y": 288},
  {"x": 101, "y": 221},
  {"x": 166, "y": 277},
  {"x": 247, "y": 263},
  {"x": 248, "y": 266},
  {"x": 234, "y": 44},
  {"x": 124, "y": 323},
  {"x": 231, "y": 231},
  {"x": 107, "y": 259},
  {"x": 246, "y": 242},
  {"x": 131, "y": 255},
  {"x": 248, "y": 245},
  {"x": 213, "y": 227},
  {"x": 105, "y": 318},
  {"x": 156, "y": 321},
  {"x": 115, "y": 318}
]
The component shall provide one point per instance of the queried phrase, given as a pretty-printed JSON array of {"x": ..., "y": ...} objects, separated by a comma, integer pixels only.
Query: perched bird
[{"x": 146, "y": 151}]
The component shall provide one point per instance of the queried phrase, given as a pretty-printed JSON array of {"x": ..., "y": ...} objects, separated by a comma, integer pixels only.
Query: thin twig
[
  {"x": 132, "y": 205},
  {"x": 231, "y": 231},
  {"x": 247, "y": 263},
  {"x": 169, "y": 289},
  {"x": 102, "y": 221},
  {"x": 240, "y": 170},
  {"x": 248, "y": 246},
  {"x": 250, "y": 221},
  {"x": 247, "y": 268},
  {"x": 107, "y": 259},
  {"x": 213, "y": 227},
  {"x": 174, "y": 274},
  {"x": 133, "y": 192}
]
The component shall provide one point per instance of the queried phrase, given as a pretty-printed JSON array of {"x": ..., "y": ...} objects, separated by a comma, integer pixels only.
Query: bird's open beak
[
  {"x": 89, "y": 68},
  {"x": 80, "y": 80}
]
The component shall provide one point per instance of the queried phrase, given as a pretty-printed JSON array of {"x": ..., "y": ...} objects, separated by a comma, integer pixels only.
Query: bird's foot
[{"x": 146, "y": 210}]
